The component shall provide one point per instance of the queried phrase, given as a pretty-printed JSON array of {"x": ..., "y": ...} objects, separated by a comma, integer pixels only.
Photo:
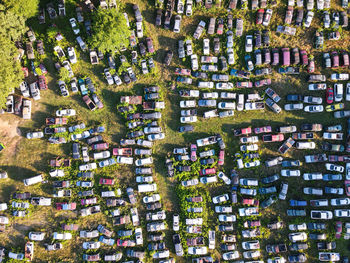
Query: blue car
[
  {"x": 83, "y": 89},
  {"x": 270, "y": 179},
  {"x": 297, "y": 203}
]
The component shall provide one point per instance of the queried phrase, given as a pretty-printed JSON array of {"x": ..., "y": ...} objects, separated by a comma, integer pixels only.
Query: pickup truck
[
  {"x": 286, "y": 146},
  {"x": 49, "y": 130},
  {"x": 276, "y": 248},
  {"x": 303, "y": 135},
  {"x": 122, "y": 151},
  {"x": 242, "y": 131},
  {"x": 91, "y": 105},
  {"x": 316, "y": 158},
  {"x": 131, "y": 99},
  {"x": 56, "y": 121},
  {"x": 153, "y": 105},
  {"x": 273, "y": 137},
  {"x": 206, "y": 141},
  {"x": 338, "y": 158}
]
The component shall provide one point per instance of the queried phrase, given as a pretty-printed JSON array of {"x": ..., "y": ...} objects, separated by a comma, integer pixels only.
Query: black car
[
  {"x": 265, "y": 38},
  {"x": 314, "y": 226},
  {"x": 142, "y": 48},
  {"x": 135, "y": 134},
  {"x": 152, "y": 89},
  {"x": 270, "y": 179},
  {"x": 159, "y": 17},
  {"x": 186, "y": 128},
  {"x": 295, "y": 97},
  {"x": 126, "y": 78},
  {"x": 154, "y": 206},
  {"x": 207, "y": 161},
  {"x": 318, "y": 236},
  {"x": 297, "y": 258},
  {"x": 226, "y": 228},
  {"x": 168, "y": 57},
  {"x": 326, "y": 245},
  {"x": 345, "y": 259},
  {"x": 257, "y": 36}
]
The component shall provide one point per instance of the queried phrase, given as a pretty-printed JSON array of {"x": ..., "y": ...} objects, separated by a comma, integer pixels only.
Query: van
[
  {"x": 177, "y": 24},
  {"x": 33, "y": 180},
  {"x": 81, "y": 44},
  {"x": 145, "y": 188}
]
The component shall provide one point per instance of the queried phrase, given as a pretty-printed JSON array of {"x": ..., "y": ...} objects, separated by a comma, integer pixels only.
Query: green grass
[{"x": 24, "y": 158}]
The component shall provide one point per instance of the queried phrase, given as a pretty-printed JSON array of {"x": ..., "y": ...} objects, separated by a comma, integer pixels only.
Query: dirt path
[{"x": 9, "y": 135}]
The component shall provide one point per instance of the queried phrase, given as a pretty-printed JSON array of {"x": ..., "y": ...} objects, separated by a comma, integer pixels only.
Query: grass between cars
[{"x": 24, "y": 158}]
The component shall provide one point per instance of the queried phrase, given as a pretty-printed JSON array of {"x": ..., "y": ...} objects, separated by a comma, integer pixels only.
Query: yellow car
[{"x": 334, "y": 107}]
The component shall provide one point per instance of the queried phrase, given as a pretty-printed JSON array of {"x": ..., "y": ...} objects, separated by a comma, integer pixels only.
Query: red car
[
  {"x": 311, "y": 66},
  {"x": 264, "y": 129},
  {"x": 259, "y": 16},
  {"x": 251, "y": 223},
  {"x": 193, "y": 152},
  {"x": 242, "y": 131},
  {"x": 304, "y": 58},
  {"x": 207, "y": 171},
  {"x": 100, "y": 146},
  {"x": 338, "y": 229},
  {"x": 106, "y": 181},
  {"x": 273, "y": 137},
  {"x": 149, "y": 43},
  {"x": 42, "y": 82},
  {"x": 347, "y": 187},
  {"x": 330, "y": 95},
  {"x": 122, "y": 151},
  {"x": 250, "y": 201},
  {"x": 221, "y": 157}
]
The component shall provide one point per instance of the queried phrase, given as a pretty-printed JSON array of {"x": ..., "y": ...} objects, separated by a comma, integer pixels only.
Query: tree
[
  {"x": 110, "y": 30},
  {"x": 64, "y": 74},
  {"x": 11, "y": 28},
  {"x": 22, "y": 8}
]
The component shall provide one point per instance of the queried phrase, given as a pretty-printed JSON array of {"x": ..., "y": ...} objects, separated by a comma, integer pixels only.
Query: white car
[
  {"x": 333, "y": 136},
  {"x": 340, "y": 201},
  {"x": 156, "y": 136},
  {"x": 151, "y": 199},
  {"x": 334, "y": 167},
  {"x": 305, "y": 145},
  {"x": 210, "y": 95},
  {"x": 230, "y": 56},
  {"x": 289, "y": 173},
  {"x": 74, "y": 25},
  {"x": 35, "y": 135},
  {"x": 144, "y": 67},
  {"x": 221, "y": 198},
  {"x": 124, "y": 160},
  {"x": 144, "y": 161},
  {"x": 65, "y": 113},
  {"x": 223, "y": 177},
  {"x": 296, "y": 237},
  {"x": 62, "y": 236},
  {"x": 312, "y": 176},
  {"x": 227, "y": 218},
  {"x": 251, "y": 254},
  {"x": 247, "y": 245},
  {"x": 188, "y": 104},
  {"x": 102, "y": 155},
  {"x": 248, "y": 43},
  {"x": 297, "y": 227},
  {"x": 347, "y": 174},
  {"x": 108, "y": 75},
  {"x": 342, "y": 213},
  {"x": 194, "y": 62},
  {"x": 314, "y": 108},
  {"x": 252, "y": 164},
  {"x": 227, "y": 105},
  {"x": 347, "y": 92},
  {"x": 295, "y": 106},
  {"x": 197, "y": 250},
  {"x": 208, "y": 180},
  {"x": 206, "y": 48},
  {"x": 338, "y": 92},
  {"x": 36, "y": 236},
  {"x": 249, "y": 147},
  {"x": 251, "y": 139},
  {"x": 230, "y": 255},
  {"x": 309, "y": 18},
  {"x": 176, "y": 222},
  {"x": 189, "y": 119},
  {"x": 87, "y": 167},
  {"x": 91, "y": 245},
  {"x": 71, "y": 55},
  {"x": 320, "y": 214}
]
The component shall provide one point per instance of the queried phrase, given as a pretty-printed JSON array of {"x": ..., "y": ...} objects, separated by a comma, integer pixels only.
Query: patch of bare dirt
[{"x": 10, "y": 135}]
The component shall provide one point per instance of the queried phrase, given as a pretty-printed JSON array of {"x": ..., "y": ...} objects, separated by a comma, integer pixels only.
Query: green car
[
  {"x": 335, "y": 107},
  {"x": 1, "y": 146}
]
